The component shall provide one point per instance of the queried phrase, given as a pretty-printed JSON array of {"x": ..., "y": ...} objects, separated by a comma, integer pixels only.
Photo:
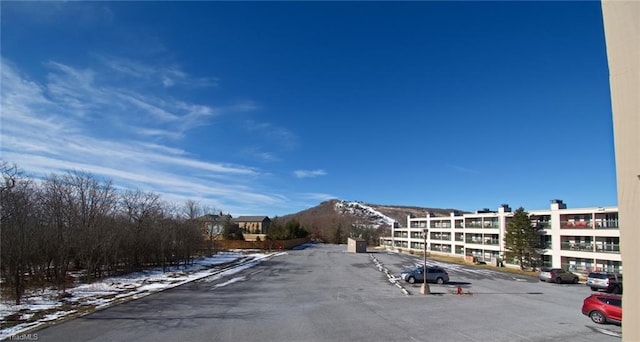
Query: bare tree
[
  {"x": 142, "y": 211},
  {"x": 18, "y": 222},
  {"x": 91, "y": 205},
  {"x": 75, "y": 220},
  {"x": 192, "y": 209},
  {"x": 58, "y": 218}
]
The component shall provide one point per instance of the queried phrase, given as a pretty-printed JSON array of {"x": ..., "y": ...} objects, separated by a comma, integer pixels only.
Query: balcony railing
[
  {"x": 459, "y": 238},
  {"x": 544, "y": 224},
  {"x": 608, "y": 248},
  {"x": 576, "y": 224},
  {"x": 577, "y": 246},
  {"x": 440, "y": 224},
  {"x": 479, "y": 241},
  {"x": 591, "y": 247},
  {"x": 473, "y": 224},
  {"x": 546, "y": 264},
  {"x": 607, "y": 224}
]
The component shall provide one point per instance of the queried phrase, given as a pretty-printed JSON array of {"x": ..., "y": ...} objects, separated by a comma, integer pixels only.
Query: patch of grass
[{"x": 461, "y": 261}]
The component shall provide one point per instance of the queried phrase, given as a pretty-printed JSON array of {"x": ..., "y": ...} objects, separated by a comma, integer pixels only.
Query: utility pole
[{"x": 425, "y": 287}]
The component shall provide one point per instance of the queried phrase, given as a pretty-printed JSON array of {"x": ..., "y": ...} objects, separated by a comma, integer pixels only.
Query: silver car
[
  {"x": 557, "y": 275},
  {"x": 435, "y": 274}
]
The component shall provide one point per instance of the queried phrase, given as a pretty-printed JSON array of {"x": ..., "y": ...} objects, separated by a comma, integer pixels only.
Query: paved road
[{"x": 322, "y": 293}]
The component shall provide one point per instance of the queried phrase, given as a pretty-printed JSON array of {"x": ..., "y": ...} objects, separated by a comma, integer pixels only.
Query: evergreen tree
[
  {"x": 231, "y": 231},
  {"x": 522, "y": 239}
]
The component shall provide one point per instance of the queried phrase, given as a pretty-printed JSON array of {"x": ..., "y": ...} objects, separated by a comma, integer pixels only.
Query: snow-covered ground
[
  {"x": 43, "y": 306},
  {"x": 363, "y": 210}
]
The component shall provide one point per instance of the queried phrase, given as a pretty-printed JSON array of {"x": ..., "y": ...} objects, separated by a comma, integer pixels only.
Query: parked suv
[
  {"x": 435, "y": 274},
  {"x": 603, "y": 308},
  {"x": 557, "y": 275},
  {"x": 609, "y": 282}
]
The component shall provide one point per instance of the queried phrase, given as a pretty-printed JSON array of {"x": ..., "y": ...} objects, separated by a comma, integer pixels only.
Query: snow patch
[
  {"x": 135, "y": 285},
  {"x": 364, "y": 211}
]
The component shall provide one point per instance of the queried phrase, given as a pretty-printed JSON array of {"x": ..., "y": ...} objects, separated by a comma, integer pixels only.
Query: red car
[{"x": 603, "y": 308}]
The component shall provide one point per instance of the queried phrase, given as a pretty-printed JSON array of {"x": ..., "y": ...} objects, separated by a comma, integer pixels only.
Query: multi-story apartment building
[{"x": 581, "y": 239}]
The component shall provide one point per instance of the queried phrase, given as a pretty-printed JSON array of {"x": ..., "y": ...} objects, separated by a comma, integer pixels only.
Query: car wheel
[
  {"x": 616, "y": 290},
  {"x": 594, "y": 288},
  {"x": 559, "y": 280},
  {"x": 411, "y": 280},
  {"x": 575, "y": 280},
  {"x": 598, "y": 317},
  {"x": 440, "y": 281}
]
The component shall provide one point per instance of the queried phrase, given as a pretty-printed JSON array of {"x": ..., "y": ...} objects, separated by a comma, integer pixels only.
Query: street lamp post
[{"x": 425, "y": 288}]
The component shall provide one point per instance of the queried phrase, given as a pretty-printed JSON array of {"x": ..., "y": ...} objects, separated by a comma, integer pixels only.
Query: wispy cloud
[
  {"x": 281, "y": 135},
  {"x": 309, "y": 173},
  {"x": 121, "y": 133},
  {"x": 167, "y": 75},
  {"x": 257, "y": 153},
  {"x": 93, "y": 96},
  {"x": 317, "y": 196}
]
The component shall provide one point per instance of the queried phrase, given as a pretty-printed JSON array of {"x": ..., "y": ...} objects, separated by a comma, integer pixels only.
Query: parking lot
[
  {"x": 556, "y": 304},
  {"x": 323, "y": 293}
]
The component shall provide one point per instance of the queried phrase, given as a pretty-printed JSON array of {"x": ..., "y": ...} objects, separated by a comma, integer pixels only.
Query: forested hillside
[{"x": 335, "y": 220}]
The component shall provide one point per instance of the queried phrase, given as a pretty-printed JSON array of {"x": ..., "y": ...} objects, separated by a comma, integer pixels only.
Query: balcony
[
  {"x": 547, "y": 264},
  {"x": 607, "y": 224},
  {"x": 473, "y": 224},
  {"x": 544, "y": 225},
  {"x": 576, "y": 224},
  {"x": 577, "y": 246},
  {"x": 491, "y": 224},
  {"x": 403, "y": 244},
  {"x": 440, "y": 225},
  {"x": 441, "y": 237},
  {"x": 608, "y": 248}
]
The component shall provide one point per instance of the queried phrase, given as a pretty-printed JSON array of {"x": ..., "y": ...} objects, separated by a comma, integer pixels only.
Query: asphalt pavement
[{"x": 323, "y": 293}]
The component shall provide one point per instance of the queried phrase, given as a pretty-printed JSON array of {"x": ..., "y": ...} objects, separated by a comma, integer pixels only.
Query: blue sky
[{"x": 269, "y": 108}]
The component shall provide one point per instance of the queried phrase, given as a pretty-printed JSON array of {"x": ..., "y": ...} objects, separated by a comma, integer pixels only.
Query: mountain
[{"x": 335, "y": 220}]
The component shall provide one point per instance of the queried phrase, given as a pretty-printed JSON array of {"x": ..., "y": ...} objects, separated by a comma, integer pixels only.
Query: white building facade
[{"x": 580, "y": 240}]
